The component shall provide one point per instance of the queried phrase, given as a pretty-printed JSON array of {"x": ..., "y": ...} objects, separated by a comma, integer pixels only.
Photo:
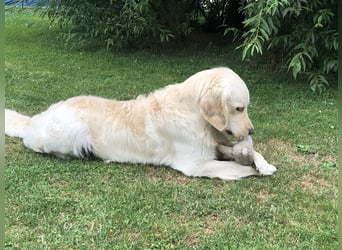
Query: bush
[
  {"x": 118, "y": 23},
  {"x": 305, "y": 32},
  {"x": 302, "y": 33}
]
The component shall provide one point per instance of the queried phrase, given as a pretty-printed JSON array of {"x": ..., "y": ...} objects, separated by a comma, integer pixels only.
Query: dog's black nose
[{"x": 251, "y": 131}]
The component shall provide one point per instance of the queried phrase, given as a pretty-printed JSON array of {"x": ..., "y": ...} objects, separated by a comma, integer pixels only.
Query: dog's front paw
[
  {"x": 267, "y": 170},
  {"x": 262, "y": 166}
]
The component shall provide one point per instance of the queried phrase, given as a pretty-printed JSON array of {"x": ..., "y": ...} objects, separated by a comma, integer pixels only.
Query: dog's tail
[{"x": 16, "y": 124}]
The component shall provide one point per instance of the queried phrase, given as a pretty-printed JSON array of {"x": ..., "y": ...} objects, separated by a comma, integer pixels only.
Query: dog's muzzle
[
  {"x": 229, "y": 132},
  {"x": 250, "y": 131}
]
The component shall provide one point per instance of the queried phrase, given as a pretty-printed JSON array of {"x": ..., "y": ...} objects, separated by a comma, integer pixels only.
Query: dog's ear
[{"x": 212, "y": 109}]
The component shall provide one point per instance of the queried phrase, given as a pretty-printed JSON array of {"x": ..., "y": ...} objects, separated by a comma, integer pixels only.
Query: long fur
[{"x": 179, "y": 126}]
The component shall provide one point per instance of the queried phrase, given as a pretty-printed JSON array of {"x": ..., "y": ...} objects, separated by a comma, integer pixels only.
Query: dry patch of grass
[
  {"x": 313, "y": 184},
  {"x": 265, "y": 196},
  {"x": 210, "y": 225},
  {"x": 280, "y": 151},
  {"x": 166, "y": 175}
]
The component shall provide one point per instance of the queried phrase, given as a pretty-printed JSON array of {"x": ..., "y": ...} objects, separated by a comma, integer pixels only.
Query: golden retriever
[{"x": 179, "y": 126}]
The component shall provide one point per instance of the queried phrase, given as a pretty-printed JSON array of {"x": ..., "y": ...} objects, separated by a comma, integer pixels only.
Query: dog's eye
[{"x": 240, "y": 109}]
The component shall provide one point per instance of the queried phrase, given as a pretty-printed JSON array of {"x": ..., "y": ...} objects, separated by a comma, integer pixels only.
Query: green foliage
[
  {"x": 308, "y": 149},
  {"x": 304, "y": 31},
  {"x": 117, "y": 23}
]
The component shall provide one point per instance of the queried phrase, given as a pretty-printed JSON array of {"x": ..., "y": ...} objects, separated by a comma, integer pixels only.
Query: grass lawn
[{"x": 77, "y": 204}]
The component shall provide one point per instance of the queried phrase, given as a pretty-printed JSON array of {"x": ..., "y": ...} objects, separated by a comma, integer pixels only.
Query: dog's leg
[
  {"x": 225, "y": 170},
  {"x": 262, "y": 165}
]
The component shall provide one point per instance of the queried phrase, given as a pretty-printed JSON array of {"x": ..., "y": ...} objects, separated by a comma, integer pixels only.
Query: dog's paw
[
  {"x": 262, "y": 166},
  {"x": 267, "y": 169}
]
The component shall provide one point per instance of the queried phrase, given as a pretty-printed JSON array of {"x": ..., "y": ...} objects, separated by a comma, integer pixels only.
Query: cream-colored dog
[{"x": 179, "y": 126}]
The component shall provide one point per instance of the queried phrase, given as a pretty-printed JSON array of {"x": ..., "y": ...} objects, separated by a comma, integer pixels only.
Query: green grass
[{"x": 55, "y": 204}]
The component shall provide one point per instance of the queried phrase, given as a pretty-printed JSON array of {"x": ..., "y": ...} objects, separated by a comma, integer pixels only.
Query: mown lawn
[{"x": 77, "y": 204}]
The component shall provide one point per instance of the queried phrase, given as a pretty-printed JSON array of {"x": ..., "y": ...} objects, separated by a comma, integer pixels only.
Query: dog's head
[{"x": 224, "y": 103}]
